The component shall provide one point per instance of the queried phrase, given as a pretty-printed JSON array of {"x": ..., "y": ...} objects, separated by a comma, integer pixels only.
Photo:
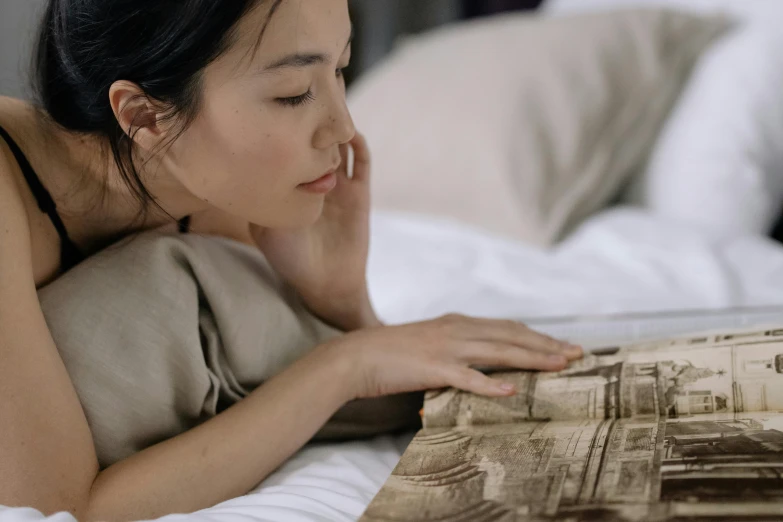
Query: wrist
[{"x": 343, "y": 366}]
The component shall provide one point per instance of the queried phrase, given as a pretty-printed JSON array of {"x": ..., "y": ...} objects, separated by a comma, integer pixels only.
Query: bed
[{"x": 630, "y": 256}]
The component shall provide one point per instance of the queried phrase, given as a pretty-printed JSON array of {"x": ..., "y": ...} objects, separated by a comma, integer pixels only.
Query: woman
[{"x": 230, "y": 116}]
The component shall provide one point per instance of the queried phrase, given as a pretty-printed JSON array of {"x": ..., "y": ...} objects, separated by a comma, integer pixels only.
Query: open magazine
[{"x": 684, "y": 429}]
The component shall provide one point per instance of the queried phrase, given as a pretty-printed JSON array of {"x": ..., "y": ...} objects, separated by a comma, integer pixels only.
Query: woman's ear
[{"x": 139, "y": 117}]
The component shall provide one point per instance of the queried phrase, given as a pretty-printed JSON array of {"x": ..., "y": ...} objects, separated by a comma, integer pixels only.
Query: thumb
[{"x": 361, "y": 159}]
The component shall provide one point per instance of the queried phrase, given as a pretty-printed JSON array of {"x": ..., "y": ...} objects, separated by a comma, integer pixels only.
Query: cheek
[
  {"x": 247, "y": 163},
  {"x": 263, "y": 154},
  {"x": 253, "y": 156}
]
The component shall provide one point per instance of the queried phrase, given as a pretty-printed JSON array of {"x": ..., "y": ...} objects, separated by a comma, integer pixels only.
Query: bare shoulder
[
  {"x": 20, "y": 216},
  {"x": 14, "y": 223},
  {"x": 14, "y": 227}
]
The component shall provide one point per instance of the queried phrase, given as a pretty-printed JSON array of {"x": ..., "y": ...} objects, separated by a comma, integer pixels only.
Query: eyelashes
[
  {"x": 297, "y": 101},
  {"x": 303, "y": 99}
]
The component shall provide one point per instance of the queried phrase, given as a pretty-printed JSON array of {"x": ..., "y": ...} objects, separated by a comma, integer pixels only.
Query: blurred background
[
  {"x": 515, "y": 136},
  {"x": 379, "y": 23}
]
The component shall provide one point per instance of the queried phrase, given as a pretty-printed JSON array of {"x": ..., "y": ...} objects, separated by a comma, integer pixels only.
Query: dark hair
[{"x": 84, "y": 46}]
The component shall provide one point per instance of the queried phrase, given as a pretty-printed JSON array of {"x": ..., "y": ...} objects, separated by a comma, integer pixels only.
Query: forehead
[{"x": 295, "y": 26}]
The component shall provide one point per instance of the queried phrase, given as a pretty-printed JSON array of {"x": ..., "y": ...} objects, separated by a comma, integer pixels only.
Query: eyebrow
[{"x": 299, "y": 60}]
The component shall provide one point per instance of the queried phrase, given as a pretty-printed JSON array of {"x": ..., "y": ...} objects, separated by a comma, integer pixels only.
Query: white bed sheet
[{"x": 623, "y": 260}]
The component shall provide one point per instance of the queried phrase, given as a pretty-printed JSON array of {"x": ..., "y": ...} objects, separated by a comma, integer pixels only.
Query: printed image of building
[
  {"x": 732, "y": 460},
  {"x": 662, "y": 441}
]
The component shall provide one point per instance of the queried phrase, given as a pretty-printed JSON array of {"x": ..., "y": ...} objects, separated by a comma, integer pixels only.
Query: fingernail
[
  {"x": 566, "y": 346},
  {"x": 506, "y": 387},
  {"x": 559, "y": 359}
]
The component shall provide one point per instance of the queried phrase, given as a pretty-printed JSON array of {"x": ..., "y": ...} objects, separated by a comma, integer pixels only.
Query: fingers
[
  {"x": 361, "y": 159},
  {"x": 344, "y": 157},
  {"x": 507, "y": 332},
  {"x": 489, "y": 354},
  {"x": 342, "y": 179},
  {"x": 476, "y": 382}
]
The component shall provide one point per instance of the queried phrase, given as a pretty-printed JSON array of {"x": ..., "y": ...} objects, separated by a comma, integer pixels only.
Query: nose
[{"x": 337, "y": 126}]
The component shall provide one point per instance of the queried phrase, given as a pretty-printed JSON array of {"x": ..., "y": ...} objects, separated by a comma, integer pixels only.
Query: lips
[
  {"x": 322, "y": 185},
  {"x": 329, "y": 172}
]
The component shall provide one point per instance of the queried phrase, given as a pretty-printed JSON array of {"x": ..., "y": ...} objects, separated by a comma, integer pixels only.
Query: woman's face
[{"x": 272, "y": 117}]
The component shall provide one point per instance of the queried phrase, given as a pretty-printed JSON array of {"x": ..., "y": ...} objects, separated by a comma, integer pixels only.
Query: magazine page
[
  {"x": 717, "y": 373},
  {"x": 718, "y": 466},
  {"x": 689, "y": 428}
]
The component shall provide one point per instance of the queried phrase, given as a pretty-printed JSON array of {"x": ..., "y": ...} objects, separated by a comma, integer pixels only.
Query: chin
[
  {"x": 312, "y": 214},
  {"x": 304, "y": 215},
  {"x": 307, "y": 220}
]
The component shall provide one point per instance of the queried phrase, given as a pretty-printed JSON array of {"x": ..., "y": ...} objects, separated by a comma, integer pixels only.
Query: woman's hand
[
  {"x": 327, "y": 262},
  {"x": 444, "y": 352}
]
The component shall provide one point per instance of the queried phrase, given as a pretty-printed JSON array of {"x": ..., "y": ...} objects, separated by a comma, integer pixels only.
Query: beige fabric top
[{"x": 165, "y": 331}]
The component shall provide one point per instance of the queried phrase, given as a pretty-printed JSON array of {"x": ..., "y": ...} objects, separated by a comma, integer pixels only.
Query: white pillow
[
  {"x": 521, "y": 125},
  {"x": 719, "y": 160}
]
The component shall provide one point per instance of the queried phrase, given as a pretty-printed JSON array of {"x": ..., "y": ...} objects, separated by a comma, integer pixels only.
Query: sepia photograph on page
[{"x": 683, "y": 429}]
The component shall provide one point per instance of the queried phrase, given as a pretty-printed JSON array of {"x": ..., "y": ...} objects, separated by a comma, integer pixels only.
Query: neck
[{"x": 102, "y": 204}]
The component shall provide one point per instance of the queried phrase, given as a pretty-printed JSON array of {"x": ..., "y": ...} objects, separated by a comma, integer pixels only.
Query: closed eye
[{"x": 297, "y": 101}]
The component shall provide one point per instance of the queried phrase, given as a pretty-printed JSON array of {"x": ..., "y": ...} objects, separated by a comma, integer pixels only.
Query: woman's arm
[
  {"x": 47, "y": 456},
  {"x": 229, "y": 454}
]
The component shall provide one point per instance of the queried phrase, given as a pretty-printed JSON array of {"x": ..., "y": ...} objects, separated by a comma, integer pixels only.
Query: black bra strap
[
  {"x": 184, "y": 225},
  {"x": 69, "y": 252}
]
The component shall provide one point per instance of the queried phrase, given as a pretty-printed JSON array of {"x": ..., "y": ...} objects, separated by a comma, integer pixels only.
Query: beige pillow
[{"x": 525, "y": 125}]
